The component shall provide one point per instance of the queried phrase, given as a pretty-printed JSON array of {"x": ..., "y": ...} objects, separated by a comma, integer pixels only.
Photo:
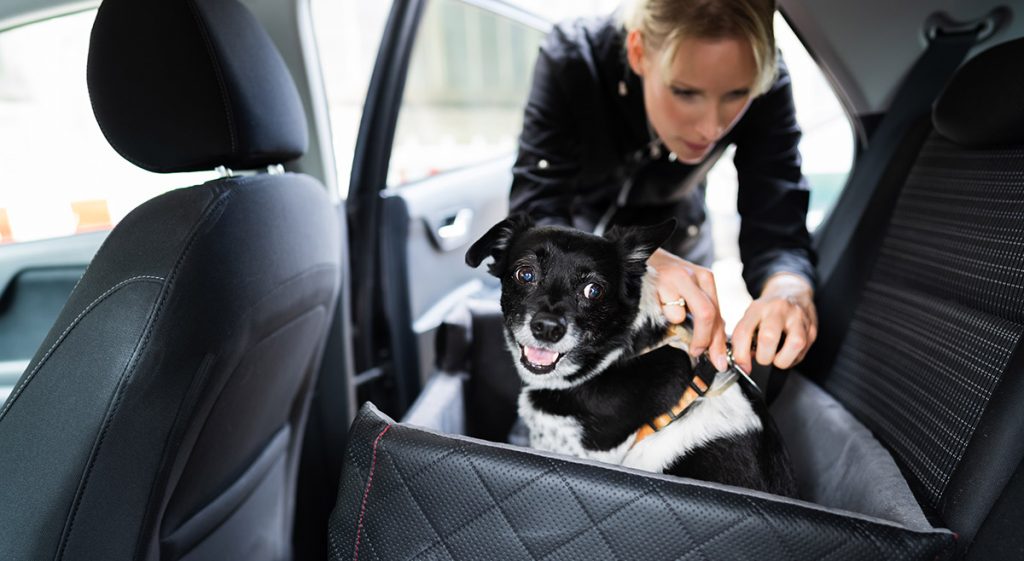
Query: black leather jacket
[{"x": 585, "y": 135}]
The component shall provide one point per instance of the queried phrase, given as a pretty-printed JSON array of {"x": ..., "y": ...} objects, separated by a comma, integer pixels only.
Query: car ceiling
[{"x": 869, "y": 45}]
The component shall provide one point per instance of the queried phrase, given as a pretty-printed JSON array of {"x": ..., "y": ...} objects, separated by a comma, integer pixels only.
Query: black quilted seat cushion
[{"x": 409, "y": 493}]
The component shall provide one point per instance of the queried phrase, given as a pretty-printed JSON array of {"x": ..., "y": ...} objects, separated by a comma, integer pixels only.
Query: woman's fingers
[
  {"x": 795, "y": 345},
  {"x": 701, "y": 310},
  {"x": 780, "y": 330},
  {"x": 717, "y": 347},
  {"x": 704, "y": 310},
  {"x": 769, "y": 332},
  {"x": 811, "y": 332},
  {"x": 684, "y": 287},
  {"x": 742, "y": 338},
  {"x": 679, "y": 296},
  {"x": 672, "y": 305}
]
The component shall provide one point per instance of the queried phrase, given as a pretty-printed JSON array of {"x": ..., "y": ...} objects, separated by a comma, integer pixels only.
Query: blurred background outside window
[
  {"x": 58, "y": 174},
  {"x": 348, "y": 34},
  {"x": 468, "y": 79}
]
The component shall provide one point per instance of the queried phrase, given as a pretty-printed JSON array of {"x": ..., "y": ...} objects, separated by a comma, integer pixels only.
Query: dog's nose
[{"x": 548, "y": 327}]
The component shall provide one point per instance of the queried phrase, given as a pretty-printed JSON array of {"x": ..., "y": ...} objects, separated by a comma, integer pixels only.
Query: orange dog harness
[{"x": 700, "y": 386}]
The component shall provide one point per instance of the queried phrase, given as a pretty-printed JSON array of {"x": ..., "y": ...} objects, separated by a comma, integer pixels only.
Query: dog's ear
[
  {"x": 497, "y": 239},
  {"x": 638, "y": 243}
]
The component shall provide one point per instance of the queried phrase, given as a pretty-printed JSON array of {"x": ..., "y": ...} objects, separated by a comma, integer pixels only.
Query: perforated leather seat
[{"x": 162, "y": 416}]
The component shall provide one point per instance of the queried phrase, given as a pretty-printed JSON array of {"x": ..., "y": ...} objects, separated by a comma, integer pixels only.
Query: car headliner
[{"x": 868, "y": 46}]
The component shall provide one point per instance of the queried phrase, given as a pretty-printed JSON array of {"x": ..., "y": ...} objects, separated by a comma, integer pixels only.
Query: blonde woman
[{"x": 625, "y": 117}]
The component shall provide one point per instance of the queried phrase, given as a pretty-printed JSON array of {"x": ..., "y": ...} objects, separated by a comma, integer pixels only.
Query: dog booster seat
[
  {"x": 421, "y": 489},
  {"x": 908, "y": 445}
]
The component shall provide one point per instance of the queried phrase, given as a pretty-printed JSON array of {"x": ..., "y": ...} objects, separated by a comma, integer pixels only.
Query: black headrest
[
  {"x": 186, "y": 85},
  {"x": 983, "y": 104}
]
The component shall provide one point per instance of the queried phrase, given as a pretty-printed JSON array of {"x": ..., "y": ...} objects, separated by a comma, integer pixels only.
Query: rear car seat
[{"x": 930, "y": 367}]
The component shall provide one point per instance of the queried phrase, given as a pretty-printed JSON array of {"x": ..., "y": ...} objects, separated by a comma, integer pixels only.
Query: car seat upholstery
[
  {"x": 932, "y": 360},
  {"x": 162, "y": 416},
  {"x": 467, "y": 343},
  {"x": 931, "y": 365},
  {"x": 409, "y": 492}
]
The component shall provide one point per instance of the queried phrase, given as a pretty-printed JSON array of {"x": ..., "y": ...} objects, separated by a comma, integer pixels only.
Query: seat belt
[
  {"x": 871, "y": 193},
  {"x": 912, "y": 101}
]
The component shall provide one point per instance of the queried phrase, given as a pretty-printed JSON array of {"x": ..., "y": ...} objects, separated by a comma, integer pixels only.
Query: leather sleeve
[
  {"x": 773, "y": 193},
  {"x": 548, "y": 164}
]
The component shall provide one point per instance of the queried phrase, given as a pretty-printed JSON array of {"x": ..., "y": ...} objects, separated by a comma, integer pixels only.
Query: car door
[
  {"x": 61, "y": 185},
  {"x": 431, "y": 175},
  {"x": 35, "y": 280}
]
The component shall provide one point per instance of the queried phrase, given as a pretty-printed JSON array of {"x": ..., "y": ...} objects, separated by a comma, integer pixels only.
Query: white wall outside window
[
  {"x": 348, "y": 35},
  {"x": 58, "y": 174},
  {"x": 468, "y": 79}
]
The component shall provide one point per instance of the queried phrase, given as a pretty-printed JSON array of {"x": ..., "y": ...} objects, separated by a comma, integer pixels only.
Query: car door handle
[{"x": 452, "y": 230}]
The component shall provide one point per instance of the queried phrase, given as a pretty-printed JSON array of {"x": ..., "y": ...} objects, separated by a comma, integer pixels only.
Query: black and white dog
[{"x": 580, "y": 311}]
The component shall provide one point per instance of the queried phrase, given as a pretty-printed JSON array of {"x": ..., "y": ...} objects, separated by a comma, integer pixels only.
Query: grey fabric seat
[
  {"x": 931, "y": 365},
  {"x": 162, "y": 416},
  {"x": 932, "y": 361}
]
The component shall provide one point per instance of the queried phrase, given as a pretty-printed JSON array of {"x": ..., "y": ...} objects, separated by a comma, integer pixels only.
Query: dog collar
[
  {"x": 701, "y": 385},
  {"x": 677, "y": 336}
]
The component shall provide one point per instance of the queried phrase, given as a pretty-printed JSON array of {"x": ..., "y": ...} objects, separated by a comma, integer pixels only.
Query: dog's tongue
[{"x": 540, "y": 357}]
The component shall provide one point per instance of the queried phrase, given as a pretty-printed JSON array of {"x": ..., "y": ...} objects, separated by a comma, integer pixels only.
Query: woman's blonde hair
[{"x": 664, "y": 23}]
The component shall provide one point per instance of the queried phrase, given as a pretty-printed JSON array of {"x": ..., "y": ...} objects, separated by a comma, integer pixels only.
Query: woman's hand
[
  {"x": 784, "y": 309},
  {"x": 684, "y": 286}
]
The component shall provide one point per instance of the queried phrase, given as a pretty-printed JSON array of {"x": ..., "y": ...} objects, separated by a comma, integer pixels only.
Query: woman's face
[{"x": 706, "y": 91}]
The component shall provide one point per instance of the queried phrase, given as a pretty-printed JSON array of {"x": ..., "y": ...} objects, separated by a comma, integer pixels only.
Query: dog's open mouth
[{"x": 538, "y": 361}]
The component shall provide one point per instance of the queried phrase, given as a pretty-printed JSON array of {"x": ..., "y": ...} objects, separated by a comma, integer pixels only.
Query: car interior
[{"x": 287, "y": 358}]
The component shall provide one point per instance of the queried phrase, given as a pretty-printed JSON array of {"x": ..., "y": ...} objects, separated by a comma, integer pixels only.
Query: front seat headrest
[
  {"x": 188, "y": 85},
  {"x": 983, "y": 104}
]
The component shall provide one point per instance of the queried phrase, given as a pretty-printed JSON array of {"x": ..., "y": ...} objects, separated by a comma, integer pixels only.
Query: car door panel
[
  {"x": 35, "y": 281},
  {"x": 466, "y": 202}
]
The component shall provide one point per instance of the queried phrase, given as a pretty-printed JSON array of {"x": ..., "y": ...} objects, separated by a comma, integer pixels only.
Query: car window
[
  {"x": 348, "y": 35},
  {"x": 827, "y": 146},
  {"x": 467, "y": 83},
  {"x": 58, "y": 174}
]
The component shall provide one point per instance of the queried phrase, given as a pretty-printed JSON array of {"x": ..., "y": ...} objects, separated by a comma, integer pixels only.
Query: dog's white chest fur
[
  {"x": 561, "y": 434},
  {"x": 723, "y": 416}
]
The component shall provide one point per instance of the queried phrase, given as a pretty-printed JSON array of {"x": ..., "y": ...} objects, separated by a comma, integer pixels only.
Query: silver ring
[{"x": 680, "y": 302}]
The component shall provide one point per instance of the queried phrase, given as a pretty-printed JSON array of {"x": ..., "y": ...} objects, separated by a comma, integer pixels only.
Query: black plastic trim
[{"x": 369, "y": 170}]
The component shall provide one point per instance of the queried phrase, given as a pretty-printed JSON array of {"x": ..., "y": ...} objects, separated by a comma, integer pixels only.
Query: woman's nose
[{"x": 710, "y": 127}]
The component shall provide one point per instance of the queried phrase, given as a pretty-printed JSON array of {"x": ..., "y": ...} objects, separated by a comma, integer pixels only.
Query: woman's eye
[
  {"x": 738, "y": 94},
  {"x": 525, "y": 275},
  {"x": 593, "y": 291},
  {"x": 684, "y": 93}
]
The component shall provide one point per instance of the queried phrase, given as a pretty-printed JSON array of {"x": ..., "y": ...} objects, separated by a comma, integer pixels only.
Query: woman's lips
[{"x": 696, "y": 147}]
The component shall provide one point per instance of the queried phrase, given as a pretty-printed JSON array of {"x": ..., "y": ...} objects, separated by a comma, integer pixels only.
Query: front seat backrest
[
  {"x": 933, "y": 361},
  {"x": 162, "y": 416}
]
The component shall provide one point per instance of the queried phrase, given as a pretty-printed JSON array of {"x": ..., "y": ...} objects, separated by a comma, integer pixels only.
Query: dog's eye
[
  {"x": 593, "y": 291},
  {"x": 525, "y": 275}
]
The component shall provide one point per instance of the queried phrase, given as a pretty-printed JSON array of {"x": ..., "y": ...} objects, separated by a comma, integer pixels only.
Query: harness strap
[{"x": 700, "y": 385}]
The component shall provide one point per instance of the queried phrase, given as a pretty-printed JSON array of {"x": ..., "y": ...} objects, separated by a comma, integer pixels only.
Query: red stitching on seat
[{"x": 366, "y": 493}]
